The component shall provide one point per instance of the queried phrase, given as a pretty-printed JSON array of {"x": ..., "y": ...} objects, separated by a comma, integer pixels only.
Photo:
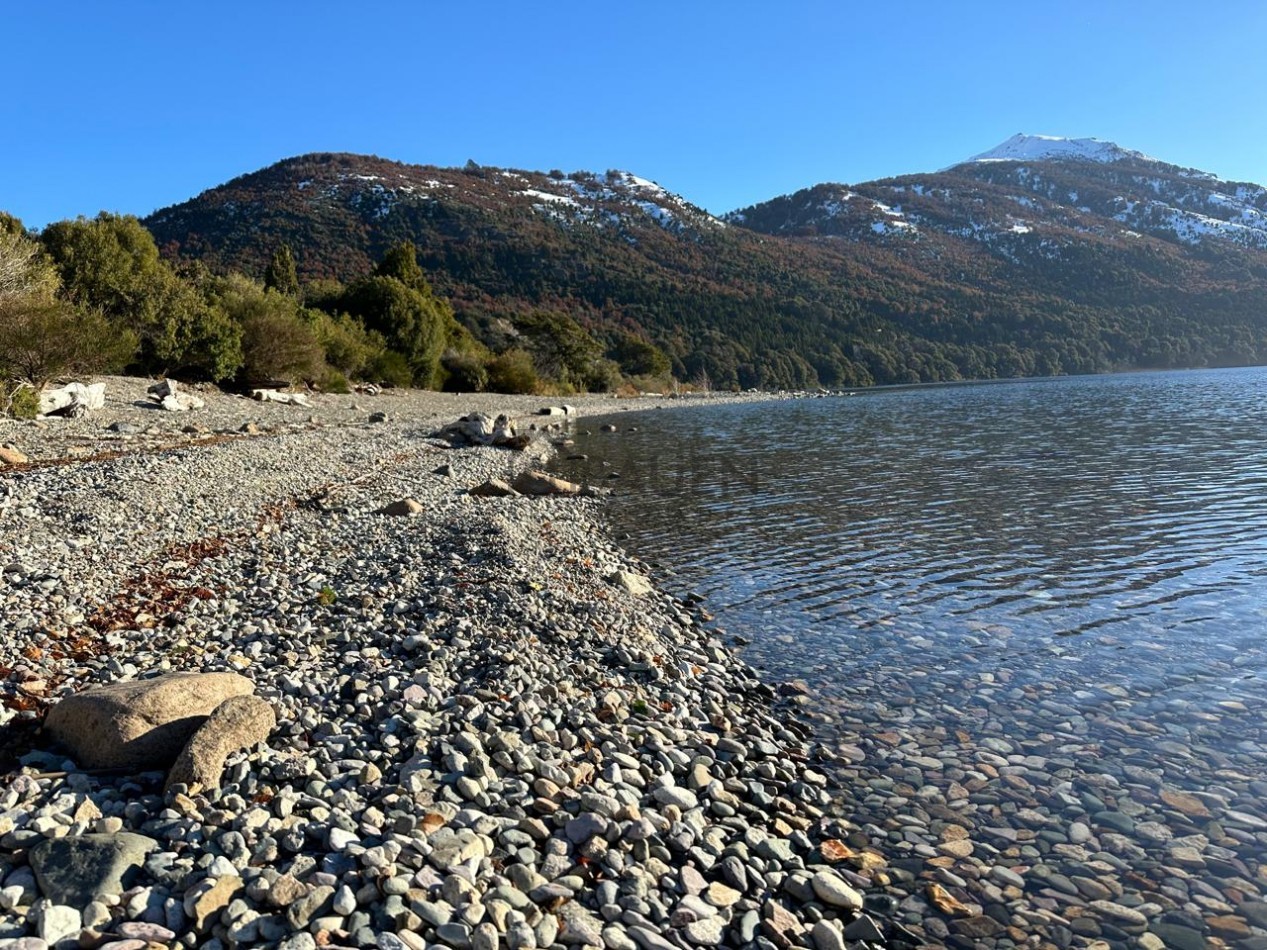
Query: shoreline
[{"x": 482, "y": 741}]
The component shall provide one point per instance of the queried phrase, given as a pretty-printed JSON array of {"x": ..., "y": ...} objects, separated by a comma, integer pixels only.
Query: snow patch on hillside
[
  {"x": 549, "y": 196},
  {"x": 661, "y": 215},
  {"x": 891, "y": 226},
  {"x": 643, "y": 184},
  {"x": 834, "y": 207},
  {"x": 615, "y": 200},
  {"x": 1242, "y": 223}
]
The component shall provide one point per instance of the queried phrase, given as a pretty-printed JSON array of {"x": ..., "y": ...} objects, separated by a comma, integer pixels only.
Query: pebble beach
[{"x": 491, "y": 730}]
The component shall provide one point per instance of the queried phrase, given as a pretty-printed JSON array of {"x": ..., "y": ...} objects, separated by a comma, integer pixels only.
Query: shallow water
[
  {"x": 1070, "y": 570},
  {"x": 1116, "y": 523}
]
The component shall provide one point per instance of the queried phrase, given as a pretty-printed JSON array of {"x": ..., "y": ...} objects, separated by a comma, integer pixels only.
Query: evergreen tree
[
  {"x": 418, "y": 326},
  {"x": 401, "y": 262},
  {"x": 280, "y": 275},
  {"x": 561, "y": 348}
]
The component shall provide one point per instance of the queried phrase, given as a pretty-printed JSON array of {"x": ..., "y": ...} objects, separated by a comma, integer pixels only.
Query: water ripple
[{"x": 1059, "y": 511}]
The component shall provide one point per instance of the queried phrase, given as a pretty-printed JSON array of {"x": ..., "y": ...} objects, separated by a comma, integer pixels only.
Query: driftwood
[
  {"x": 317, "y": 499},
  {"x": 286, "y": 399},
  {"x": 481, "y": 429},
  {"x": 533, "y": 482},
  {"x": 166, "y": 393},
  {"x": 73, "y": 400}
]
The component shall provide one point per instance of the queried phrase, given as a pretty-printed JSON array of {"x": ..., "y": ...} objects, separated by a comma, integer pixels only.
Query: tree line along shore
[{"x": 95, "y": 296}]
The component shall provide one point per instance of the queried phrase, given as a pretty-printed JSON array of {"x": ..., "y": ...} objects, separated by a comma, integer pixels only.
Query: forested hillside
[{"x": 1054, "y": 263}]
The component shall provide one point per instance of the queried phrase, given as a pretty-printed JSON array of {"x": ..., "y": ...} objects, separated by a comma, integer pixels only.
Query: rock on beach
[
  {"x": 139, "y": 724},
  {"x": 78, "y": 869},
  {"x": 237, "y": 723}
]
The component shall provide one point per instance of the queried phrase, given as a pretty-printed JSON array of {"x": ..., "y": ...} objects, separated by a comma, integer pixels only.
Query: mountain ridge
[{"x": 990, "y": 268}]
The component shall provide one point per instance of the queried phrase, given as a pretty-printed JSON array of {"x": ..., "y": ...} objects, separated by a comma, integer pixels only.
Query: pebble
[
  {"x": 708, "y": 932},
  {"x": 828, "y": 937},
  {"x": 55, "y": 922},
  {"x": 831, "y": 889}
]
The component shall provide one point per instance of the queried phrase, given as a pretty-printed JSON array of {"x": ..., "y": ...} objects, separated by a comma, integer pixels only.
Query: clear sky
[{"x": 130, "y": 106}]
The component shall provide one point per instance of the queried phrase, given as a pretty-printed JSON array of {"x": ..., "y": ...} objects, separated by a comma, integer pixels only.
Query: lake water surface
[{"x": 1037, "y": 605}]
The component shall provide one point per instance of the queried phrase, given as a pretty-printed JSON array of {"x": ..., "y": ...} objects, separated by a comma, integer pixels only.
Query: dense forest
[{"x": 327, "y": 269}]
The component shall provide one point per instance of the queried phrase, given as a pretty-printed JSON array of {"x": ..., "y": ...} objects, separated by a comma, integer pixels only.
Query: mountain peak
[{"x": 1033, "y": 148}]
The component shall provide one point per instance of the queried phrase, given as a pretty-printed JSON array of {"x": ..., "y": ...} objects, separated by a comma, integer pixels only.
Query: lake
[{"x": 1031, "y": 610}]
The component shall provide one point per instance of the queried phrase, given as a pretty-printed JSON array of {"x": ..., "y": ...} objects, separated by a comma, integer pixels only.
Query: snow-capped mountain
[
  {"x": 1033, "y": 190},
  {"x": 1144, "y": 195},
  {"x": 388, "y": 192},
  {"x": 1043, "y": 148}
]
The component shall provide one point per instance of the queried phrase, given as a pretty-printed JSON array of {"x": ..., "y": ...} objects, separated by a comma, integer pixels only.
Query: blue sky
[{"x": 131, "y": 106}]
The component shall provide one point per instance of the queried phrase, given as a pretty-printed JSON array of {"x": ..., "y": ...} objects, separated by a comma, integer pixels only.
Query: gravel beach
[{"x": 490, "y": 731}]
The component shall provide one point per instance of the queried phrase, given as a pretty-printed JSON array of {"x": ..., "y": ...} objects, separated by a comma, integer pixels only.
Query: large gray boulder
[
  {"x": 79, "y": 869},
  {"x": 140, "y": 724}
]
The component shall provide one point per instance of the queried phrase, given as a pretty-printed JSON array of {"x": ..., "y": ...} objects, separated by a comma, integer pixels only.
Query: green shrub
[
  {"x": 390, "y": 369},
  {"x": 602, "y": 376},
  {"x": 20, "y": 400},
  {"x": 513, "y": 372},
  {"x": 561, "y": 348},
  {"x": 464, "y": 372},
  {"x": 277, "y": 338},
  {"x": 276, "y": 343},
  {"x": 24, "y": 269},
  {"x": 347, "y": 345},
  {"x": 190, "y": 337},
  {"x": 43, "y": 338},
  {"x": 111, "y": 265},
  {"x": 638, "y": 357},
  {"x": 324, "y": 293},
  {"x": 333, "y": 381}
]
